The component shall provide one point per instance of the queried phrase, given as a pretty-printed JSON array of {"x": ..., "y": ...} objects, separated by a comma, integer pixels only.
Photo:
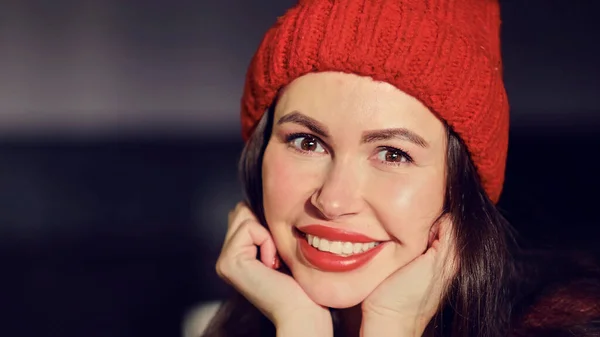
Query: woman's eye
[
  {"x": 393, "y": 156},
  {"x": 307, "y": 144}
]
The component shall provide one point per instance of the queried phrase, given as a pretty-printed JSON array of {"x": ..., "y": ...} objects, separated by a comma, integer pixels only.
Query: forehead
[{"x": 347, "y": 103}]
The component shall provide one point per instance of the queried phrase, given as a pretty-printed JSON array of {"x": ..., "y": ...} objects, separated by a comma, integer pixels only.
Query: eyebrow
[
  {"x": 397, "y": 133},
  {"x": 368, "y": 137},
  {"x": 308, "y": 122}
]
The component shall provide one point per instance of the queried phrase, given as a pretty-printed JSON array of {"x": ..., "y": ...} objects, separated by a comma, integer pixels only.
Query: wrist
[
  {"x": 318, "y": 326},
  {"x": 373, "y": 325}
]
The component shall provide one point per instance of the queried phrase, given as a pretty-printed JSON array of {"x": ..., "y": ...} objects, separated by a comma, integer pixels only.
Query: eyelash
[
  {"x": 294, "y": 136},
  {"x": 402, "y": 153}
]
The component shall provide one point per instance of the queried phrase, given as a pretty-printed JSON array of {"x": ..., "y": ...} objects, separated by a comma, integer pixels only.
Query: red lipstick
[
  {"x": 335, "y": 234},
  {"x": 331, "y": 262}
]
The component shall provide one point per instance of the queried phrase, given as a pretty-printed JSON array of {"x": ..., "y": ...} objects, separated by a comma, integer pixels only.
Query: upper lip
[{"x": 335, "y": 234}]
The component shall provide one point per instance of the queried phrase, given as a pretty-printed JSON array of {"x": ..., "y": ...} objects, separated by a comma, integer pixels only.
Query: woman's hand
[
  {"x": 277, "y": 295},
  {"x": 407, "y": 300}
]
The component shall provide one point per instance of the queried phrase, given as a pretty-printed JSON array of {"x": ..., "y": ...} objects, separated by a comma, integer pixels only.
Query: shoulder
[{"x": 563, "y": 301}]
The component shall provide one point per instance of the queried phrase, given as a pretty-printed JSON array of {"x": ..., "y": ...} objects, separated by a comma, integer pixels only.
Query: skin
[
  {"x": 341, "y": 180},
  {"x": 367, "y": 187}
]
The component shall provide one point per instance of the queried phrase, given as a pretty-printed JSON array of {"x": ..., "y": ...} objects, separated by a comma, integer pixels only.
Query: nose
[{"x": 339, "y": 194}]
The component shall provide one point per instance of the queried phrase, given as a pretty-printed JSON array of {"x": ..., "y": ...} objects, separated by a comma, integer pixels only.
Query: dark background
[{"x": 119, "y": 140}]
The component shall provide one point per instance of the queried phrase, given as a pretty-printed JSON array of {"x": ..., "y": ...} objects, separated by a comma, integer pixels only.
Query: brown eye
[
  {"x": 307, "y": 144},
  {"x": 393, "y": 156}
]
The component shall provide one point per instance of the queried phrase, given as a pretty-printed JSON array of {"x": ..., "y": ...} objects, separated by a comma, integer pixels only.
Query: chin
[
  {"x": 333, "y": 290},
  {"x": 340, "y": 289}
]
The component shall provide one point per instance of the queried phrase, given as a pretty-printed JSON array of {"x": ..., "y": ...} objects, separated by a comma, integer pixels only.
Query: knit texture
[{"x": 445, "y": 53}]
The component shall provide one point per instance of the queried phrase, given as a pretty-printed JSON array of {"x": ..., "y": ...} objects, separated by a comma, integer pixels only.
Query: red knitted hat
[{"x": 446, "y": 53}]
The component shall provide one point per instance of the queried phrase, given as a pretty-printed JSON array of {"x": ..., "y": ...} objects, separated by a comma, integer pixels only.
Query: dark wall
[
  {"x": 119, "y": 238},
  {"x": 119, "y": 142}
]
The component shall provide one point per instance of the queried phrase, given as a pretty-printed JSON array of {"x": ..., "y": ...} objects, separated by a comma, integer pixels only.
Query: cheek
[
  {"x": 282, "y": 194},
  {"x": 408, "y": 205}
]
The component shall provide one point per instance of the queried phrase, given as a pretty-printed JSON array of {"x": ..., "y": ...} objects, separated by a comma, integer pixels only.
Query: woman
[{"x": 377, "y": 135}]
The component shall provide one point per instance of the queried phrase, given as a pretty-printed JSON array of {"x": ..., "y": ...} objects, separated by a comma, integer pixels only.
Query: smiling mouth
[
  {"x": 340, "y": 248},
  {"x": 335, "y": 250}
]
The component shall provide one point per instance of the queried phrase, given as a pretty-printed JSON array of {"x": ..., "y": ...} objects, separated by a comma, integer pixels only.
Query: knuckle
[
  {"x": 240, "y": 205},
  {"x": 245, "y": 224},
  {"x": 234, "y": 216},
  {"x": 221, "y": 268},
  {"x": 243, "y": 208},
  {"x": 235, "y": 210},
  {"x": 232, "y": 220},
  {"x": 240, "y": 227}
]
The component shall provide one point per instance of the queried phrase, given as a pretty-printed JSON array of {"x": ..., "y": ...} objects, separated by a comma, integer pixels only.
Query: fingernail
[{"x": 276, "y": 263}]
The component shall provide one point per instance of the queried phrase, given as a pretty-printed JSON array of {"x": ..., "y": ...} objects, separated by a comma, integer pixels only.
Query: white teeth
[
  {"x": 347, "y": 249},
  {"x": 324, "y": 245},
  {"x": 339, "y": 247},
  {"x": 335, "y": 247}
]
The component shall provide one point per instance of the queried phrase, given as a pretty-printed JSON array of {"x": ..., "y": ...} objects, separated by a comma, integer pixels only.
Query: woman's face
[{"x": 353, "y": 181}]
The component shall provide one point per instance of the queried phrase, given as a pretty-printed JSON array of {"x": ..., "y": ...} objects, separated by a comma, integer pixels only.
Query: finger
[
  {"x": 444, "y": 243},
  {"x": 433, "y": 232},
  {"x": 445, "y": 231},
  {"x": 251, "y": 236},
  {"x": 236, "y": 217},
  {"x": 241, "y": 248},
  {"x": 268, "y": 255},
  {"x": 248, "y": 236},
  {"x": 268, "y": 251},
  {"x": 446, "y": 249},
  {"x": 244, "y": 272},
  {"x": 236, "y": 213}
]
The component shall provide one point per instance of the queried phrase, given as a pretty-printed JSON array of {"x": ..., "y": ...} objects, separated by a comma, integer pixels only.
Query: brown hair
[{"x": 478, "y": 300}]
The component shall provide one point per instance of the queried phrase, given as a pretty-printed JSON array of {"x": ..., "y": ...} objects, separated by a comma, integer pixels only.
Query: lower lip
[{"x": 327, "y": 261}]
